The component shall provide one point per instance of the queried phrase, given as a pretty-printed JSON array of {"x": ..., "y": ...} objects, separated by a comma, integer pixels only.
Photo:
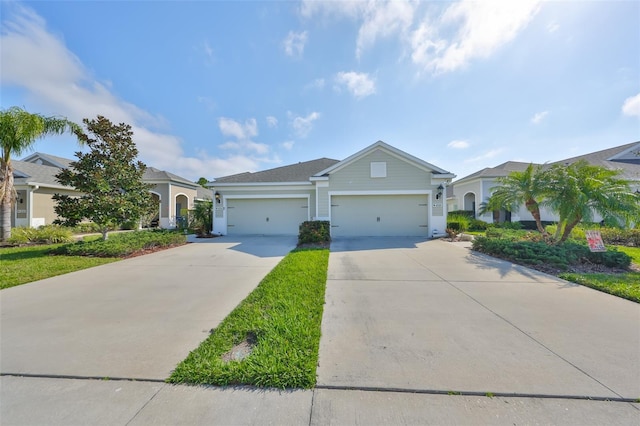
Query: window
[{"x": 378, "y": 169}]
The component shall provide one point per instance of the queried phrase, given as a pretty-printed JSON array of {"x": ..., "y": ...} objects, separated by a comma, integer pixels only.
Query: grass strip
[
  {"x": 282, "y": 317},
  {"x": 625, "y": 285},
  {"x": 21, "y": 265}
]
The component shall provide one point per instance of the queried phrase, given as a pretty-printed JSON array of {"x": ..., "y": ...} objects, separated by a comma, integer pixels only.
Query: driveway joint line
[
  {"x": 74, "y": 377},
  {"x": 487, "y": 394},
  {"x": 532, "y": 338},
  {"x": 144, "y": 405},
  {"x": 313, "y": 401}
]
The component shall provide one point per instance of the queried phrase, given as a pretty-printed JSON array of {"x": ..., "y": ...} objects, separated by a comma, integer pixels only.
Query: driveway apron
[
  {"x": 411, "y": 314},
  {"x": 136, "y": 318}
]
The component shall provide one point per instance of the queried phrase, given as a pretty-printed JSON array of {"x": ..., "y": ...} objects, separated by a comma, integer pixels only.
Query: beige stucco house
[
  {"x": 469, "y": 192},
  {"x": 35, "y": 184},
  {"x": 379, "y": 191}
]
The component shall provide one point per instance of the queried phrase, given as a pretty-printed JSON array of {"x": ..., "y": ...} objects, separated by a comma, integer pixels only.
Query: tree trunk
[
  {"x": 6, "y": 182},
  {"x": 568, "y": 228},
  {"x": 533, "y": 208},
  {"x": 105, "y": 234}
]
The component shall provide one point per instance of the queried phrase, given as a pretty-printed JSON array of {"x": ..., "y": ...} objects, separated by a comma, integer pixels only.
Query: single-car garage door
[
  {"x": 379, "y": 215},
  {"x": 267, "y": 216}
]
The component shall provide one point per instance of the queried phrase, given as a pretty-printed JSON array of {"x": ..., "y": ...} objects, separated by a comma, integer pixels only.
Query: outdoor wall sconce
[
  {"x": 439, "y": 194},
  {"x": 217, "y": 195}
]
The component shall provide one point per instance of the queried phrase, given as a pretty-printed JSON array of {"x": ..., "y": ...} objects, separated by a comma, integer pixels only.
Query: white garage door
[
  {"x": 267, "y": 216},
  {"x": 379, "y": 215}
]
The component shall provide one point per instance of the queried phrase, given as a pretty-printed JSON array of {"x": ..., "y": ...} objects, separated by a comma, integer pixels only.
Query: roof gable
[
  {"x": 498, "y": 171},
  {"x": 388, "y": 149}
]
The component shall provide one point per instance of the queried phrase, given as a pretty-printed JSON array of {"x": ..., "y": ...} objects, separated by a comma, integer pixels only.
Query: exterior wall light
[
  {"x": 440, "y": 190},
  {"x": 218, "y": 199}
]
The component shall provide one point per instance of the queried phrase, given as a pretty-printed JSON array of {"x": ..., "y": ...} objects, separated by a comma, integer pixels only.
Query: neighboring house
[
  {"x": 470, "y": 191},
  {"x": 379, "y": 191},
  {"x": 35, "y": 184}
]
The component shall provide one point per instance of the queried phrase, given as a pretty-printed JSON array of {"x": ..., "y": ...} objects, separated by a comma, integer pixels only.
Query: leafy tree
[
  {"x": 527, "y": 187},
  {"x": 19, "y": 130},
  {"x": 578, "y": 190},
  {"x": 109, "y": 177},
  {"x": 202, "y": 182}
]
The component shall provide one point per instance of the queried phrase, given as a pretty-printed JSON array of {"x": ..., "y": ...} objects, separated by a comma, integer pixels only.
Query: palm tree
[
  {"x": 19, "y": 130},
  {"x": 579, "y": 190},
  {"x": 526, "y": 187}
]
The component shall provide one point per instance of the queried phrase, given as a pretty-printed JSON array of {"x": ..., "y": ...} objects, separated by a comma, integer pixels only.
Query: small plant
[
  {"x": 121, "y": 245},
  {"x": 458, "y": 222},
  {"x": 315, "y": 231},
  {"x": 48, "y": 234}
]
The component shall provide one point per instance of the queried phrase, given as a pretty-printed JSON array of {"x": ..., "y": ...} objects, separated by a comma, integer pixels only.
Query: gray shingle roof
[
  {"x": 37, "y": 173},
  {"x": 153, "y": 174},
  {"x": 614, "y": 159},
  {"x": 300, "y": 172},
  {"x": 500, "y": 170}
]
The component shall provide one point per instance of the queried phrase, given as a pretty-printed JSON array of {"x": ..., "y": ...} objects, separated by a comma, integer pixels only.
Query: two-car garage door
[
  {"x": 379, "y": 215},
  {"x": 266, "y": 216}
]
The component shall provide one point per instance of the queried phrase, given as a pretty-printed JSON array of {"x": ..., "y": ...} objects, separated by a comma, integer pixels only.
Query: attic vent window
[{"x": 378, "y": 169}]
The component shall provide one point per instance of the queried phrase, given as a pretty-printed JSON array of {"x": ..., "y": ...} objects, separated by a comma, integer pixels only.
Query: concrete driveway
[
  {"x": 137, "y": 318},
  {"x": 433, "y": 316}
]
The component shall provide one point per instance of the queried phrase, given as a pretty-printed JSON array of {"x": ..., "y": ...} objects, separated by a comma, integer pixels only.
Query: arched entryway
[
  {"x": 154, "y": 217},
  {"x": 181, "y": 211},
  {"x": 470, "y": 202}
]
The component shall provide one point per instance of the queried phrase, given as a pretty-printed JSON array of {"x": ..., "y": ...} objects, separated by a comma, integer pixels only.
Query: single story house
[
  {"x": 469, "y": 192},
  {"x": 379, "y": 191},
  {"x": 35, "y": 184}
]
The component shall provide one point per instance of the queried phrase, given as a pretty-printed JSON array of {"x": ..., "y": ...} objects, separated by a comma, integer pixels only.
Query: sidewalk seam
[
  {"x": 72, "y": 377},
  {"x": 474, "y": 393},
  {"x": 145, "y": 404}
]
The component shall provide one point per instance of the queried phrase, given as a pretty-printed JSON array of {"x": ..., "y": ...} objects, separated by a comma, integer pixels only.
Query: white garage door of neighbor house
[
  {"x": 379, "y": 215},
  {"x": 266, "y": 216}
]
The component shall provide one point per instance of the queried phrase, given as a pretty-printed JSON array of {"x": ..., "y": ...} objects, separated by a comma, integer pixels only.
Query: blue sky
[{"x": 213, "y": 88}]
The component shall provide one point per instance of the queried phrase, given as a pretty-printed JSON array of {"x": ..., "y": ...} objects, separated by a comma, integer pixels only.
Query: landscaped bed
[
  {"x": 272, "y": 338},
  {"x": 25, "y": 264}
]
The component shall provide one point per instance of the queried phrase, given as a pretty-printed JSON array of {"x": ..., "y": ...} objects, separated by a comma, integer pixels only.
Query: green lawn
[
  {"x": 21, "y": 265},
  {"x": 622, "y": 285},
  {"x": 281, "y": 318}
]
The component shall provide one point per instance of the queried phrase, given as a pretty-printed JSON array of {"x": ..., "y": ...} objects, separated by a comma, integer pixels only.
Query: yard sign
[{"x": 594, "y": 239}]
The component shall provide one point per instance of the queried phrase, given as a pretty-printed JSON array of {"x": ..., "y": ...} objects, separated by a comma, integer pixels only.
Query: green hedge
[
  {"x": 314, "y": 231},
  {"x": 540, "y": 253},
  {"x": 123, "y": 244},
  {"x": 48, "y": 234}
]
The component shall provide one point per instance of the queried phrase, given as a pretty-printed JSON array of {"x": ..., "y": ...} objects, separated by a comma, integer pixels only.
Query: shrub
[
  {"x": 540, "y": 253},
  {"x": 531, "y": 224},
  {"x": 623, "y": 237},
  {"x": 124, "y": 244},
  {"x": 478, "y": 225},
  {"x": 48, "y": 234},
  {"x": 314, "y": 231},
  {"x": 458, "y": 222}
]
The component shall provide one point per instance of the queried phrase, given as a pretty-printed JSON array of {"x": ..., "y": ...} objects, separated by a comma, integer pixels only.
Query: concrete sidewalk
[{"x": 70, "y": 402}]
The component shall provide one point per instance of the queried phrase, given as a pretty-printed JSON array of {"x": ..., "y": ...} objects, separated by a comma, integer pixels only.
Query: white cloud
[
  {"x": 359, "y": 84},
  {"x": 229, "y": 127},
  {"x": 55, "y": 81},
  {"x": 294, "y": 43},
  {"x": 272, "y": 121},
  {"x": 539, "y": 116},
  {"x": 288, "y": 145},
  {"x": 631, "y": 106},
  {"x": 553, "y": 26},
  {"x": 383, "y": 19},
  {"x": 302, "y": 125},
  {"x": 458, "y": 144},
  {"x": 477, "y": 28},
  {"x": 444, "y": 38},
  {"x": 486, "y": 156}
]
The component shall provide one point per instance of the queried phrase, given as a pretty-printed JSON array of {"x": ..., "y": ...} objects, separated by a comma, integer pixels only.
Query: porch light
[
  {"x": 217, "y": 195},
  {"x": 440, "y": 190}
]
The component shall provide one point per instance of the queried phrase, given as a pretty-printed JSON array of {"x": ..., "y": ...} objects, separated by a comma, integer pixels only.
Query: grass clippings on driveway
[
  {"x": 21, "y": 265},
  {"x": 277, "y": 327}
]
